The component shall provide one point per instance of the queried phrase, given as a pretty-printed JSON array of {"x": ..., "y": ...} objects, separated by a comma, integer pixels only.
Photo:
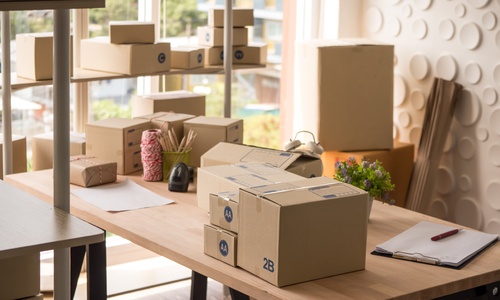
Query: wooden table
[
  {"x": 176, "y": 232},
  {"x": 29, "y": 225}
]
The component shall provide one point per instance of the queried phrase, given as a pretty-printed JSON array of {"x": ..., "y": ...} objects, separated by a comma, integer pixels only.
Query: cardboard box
[
  {"x": 254, "y": 54},
  {"x": 181, "y": 102},
  {"x": 225, "y": 153},
  {"x": 224, "y": 210},
  {"x": 346, "y": 87},
  {"x": 20, "y": 276},
  {"x": 89, "y": 171},
  {"x": 187, "y": 58},
  {"x": 36, "y": 51},
  {"x": 42, "y": 148},
  {"x": 214, "y": 36},
  {"x": 168, "y": 120},
  {"x": 315, "y": 229},
  {"x": 398, "y": 162},
  {"x": 117, "y": 140},
  {"x": 131, "y": 32},
  {"x": 210, "y": 131},
  {"x": 130, "y": 59},
  {"x": 19, "y": 161},
  {"x": 220, "y": 244},
  {"x": 223, "y": 178},
  {"x": 241, "y": 17}
]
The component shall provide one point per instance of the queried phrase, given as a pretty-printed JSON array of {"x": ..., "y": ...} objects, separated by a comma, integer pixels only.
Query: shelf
[
  {"x": 8, "y": 5},
  {"x": 83, "y": 75}
]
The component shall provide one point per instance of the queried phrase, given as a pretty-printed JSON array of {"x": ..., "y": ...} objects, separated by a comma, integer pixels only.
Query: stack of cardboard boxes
[{"x": 290, "y": 232}]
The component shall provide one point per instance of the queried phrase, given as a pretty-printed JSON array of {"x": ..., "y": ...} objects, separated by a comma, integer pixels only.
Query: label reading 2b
[{"x": 268, "y": 265}]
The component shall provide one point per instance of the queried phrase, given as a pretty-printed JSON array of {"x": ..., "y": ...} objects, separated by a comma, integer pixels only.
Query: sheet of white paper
[{"x": 126, "y": 195}]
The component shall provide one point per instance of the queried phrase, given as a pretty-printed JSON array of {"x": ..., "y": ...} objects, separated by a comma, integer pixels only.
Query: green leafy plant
[{"x": 371, "y": 177}]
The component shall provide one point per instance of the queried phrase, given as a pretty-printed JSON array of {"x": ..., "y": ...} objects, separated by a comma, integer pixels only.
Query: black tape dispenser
[{"x": 179, "y": 178}]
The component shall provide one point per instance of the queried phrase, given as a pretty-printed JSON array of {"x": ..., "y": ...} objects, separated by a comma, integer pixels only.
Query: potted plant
[{"x": 368, "y": 176}]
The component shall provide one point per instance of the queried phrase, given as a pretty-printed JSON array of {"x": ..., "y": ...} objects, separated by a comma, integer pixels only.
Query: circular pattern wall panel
[
  {"x": 419, "y": 66},
  {"x": 470, "y": 36},
  {"x": 468, "y": 213},
  {"x": 492, "y": 192},
  {"x": 468, "y": 108},
  {"x": 460, "y": 10},
  {"x": 374, "y": 19},
  {"x": 446, "y": 67},
  {"x": 478, "y": 3},
  {"x": 466, "y": 148},
  {"x": 419, "y": 28},
  {"x": 439, "y": 209},
  {"x": 495, "y": 121},
  {"x": 464, "y": 183},
  {"x": 446, "y": 29},
  {"x": 489, "y": 20},
  {"x": 417, "y": 100},
  {"x": 494, "y": 156},
  {"x": 473, "y": 73},
  {"x": 490, "y": 95}
]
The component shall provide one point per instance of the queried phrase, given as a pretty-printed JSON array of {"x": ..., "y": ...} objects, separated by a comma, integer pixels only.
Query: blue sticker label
[
  {"x": 162, "y": 57},
  {"x": 228, "y": 214},
  {"x": 238, "y": 54},
  {"x": 200, "y": 57},
  {"x": 207, "y": 37},
  {"x": 223, "y": 248}
]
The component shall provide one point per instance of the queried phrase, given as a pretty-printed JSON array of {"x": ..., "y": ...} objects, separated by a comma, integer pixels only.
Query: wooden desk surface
[
  {"x": 176, "y": 232},
  {"x": 29, "y": 225}
]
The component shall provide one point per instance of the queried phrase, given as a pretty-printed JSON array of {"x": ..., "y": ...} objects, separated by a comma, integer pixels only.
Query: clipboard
[{"x": 455, "y": 251}]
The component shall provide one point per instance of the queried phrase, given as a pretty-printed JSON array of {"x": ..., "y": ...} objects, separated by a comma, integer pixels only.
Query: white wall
[{"x": 456, "y": 40}]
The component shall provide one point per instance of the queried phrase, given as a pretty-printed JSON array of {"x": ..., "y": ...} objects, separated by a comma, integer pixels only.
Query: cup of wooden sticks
[{"x": 174, "y": 151}]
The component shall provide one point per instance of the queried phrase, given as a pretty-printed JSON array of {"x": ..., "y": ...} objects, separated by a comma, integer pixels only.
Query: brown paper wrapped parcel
[{"x": 88, "y": 171}]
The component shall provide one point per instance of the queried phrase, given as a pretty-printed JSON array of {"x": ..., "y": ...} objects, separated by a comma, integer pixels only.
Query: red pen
[{"x": 445, "y": 234}]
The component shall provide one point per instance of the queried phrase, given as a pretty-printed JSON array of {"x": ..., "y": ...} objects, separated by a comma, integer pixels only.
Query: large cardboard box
[
  {"x": 225, "y": 153},
  {"x": 214, "y": 36},
  {"x": 20, "y": 277},
  {"x": 220, "y": 244},
  {"x": 223, "y": 178},
  {"x": 35, "y": 55},
  {"x": 398, "y": 161},
  {"x": 19, "y": 161},
  {"x": 241, "y": 17},
  {"x": 224, "y": 210},
  {"x": 166, "y": 121},
  {"x": 130, "y": 59},
  {"x": 187, "y": 58},
  {"x": 346, "y": 87},
  {"x": 42, "y": 148},
  {"x": 210, "y": 131},
  {"x": 131, "y": 32},
  {"x": 301, "y": 231},
  {"x": 253, "y": 54},
  {"x": 182, "y": 102},
  {"x": 117, "y": 140}
]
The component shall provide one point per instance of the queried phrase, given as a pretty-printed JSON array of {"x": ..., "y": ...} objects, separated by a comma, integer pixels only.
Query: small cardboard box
[
  {"x": 210, "y": 131},
  {"x": 130, "y": 59},
  {"x": 20, "y": 276},
  {"x": 168, "y": 120},
  {"x": 241, "y": 17},
  {"x": 181, "y": 102},
  {"x": 35, "y": 55},
  {"x": 398, "y": 162},
  {"x": 225, "y": 153},
  {"x": 224, "y": 210},
  {"x": 187, "y": 58},
  {"x": 214, "y": 36},
  {"x": 88, "y": 171},
  {"x": 220, "y": 244},
  {"x": 223, "y": 178},
  {"x": 340, "y": 77},
  {"x": 131, "y": 32},
  {"x": 253, "y": 54},
  {"x": 42, "y": 146},
  {"x": 19, "y": 161},
  {"x": 307, "y": 230},
  {"x": 117, "y": 140}
]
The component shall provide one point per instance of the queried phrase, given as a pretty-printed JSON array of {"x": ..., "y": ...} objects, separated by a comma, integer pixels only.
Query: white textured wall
[{"x": 456, "y": 40}]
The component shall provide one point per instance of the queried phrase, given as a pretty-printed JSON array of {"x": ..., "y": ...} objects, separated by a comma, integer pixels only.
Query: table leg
[
  {"x": 77, "y": 255},
  {"x": 198, "y": 286},
  {"x": 96, "y": 271},
  {"x": 237, "y": 295}
]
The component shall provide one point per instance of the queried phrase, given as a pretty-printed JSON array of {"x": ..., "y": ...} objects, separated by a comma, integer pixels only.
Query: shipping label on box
[
  {"x": 241, "y": 17},
  {"x": 182, "y": 102},
  {"x": 223, "y": 178},
  {"x": 220, "y": 244},
  {"x": 131, "y": 32},
  {"x": 118, "y": 140},
  {"x": 130, "y": 59},
  {"x": 42, "y": 146},
  {"x": 210, "y": 131},
  {"x": 88, "y": 171},
  {"x": 166, "y": 121},
  {"x": 187, "y": 58},
  {"x": 339, "y": 77},
  {"x": 308, "y": 229},
  {"x": 19, "y": 161},
  {"x": 214, "y": 36},
  {"x": 224, "y": 210}
]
